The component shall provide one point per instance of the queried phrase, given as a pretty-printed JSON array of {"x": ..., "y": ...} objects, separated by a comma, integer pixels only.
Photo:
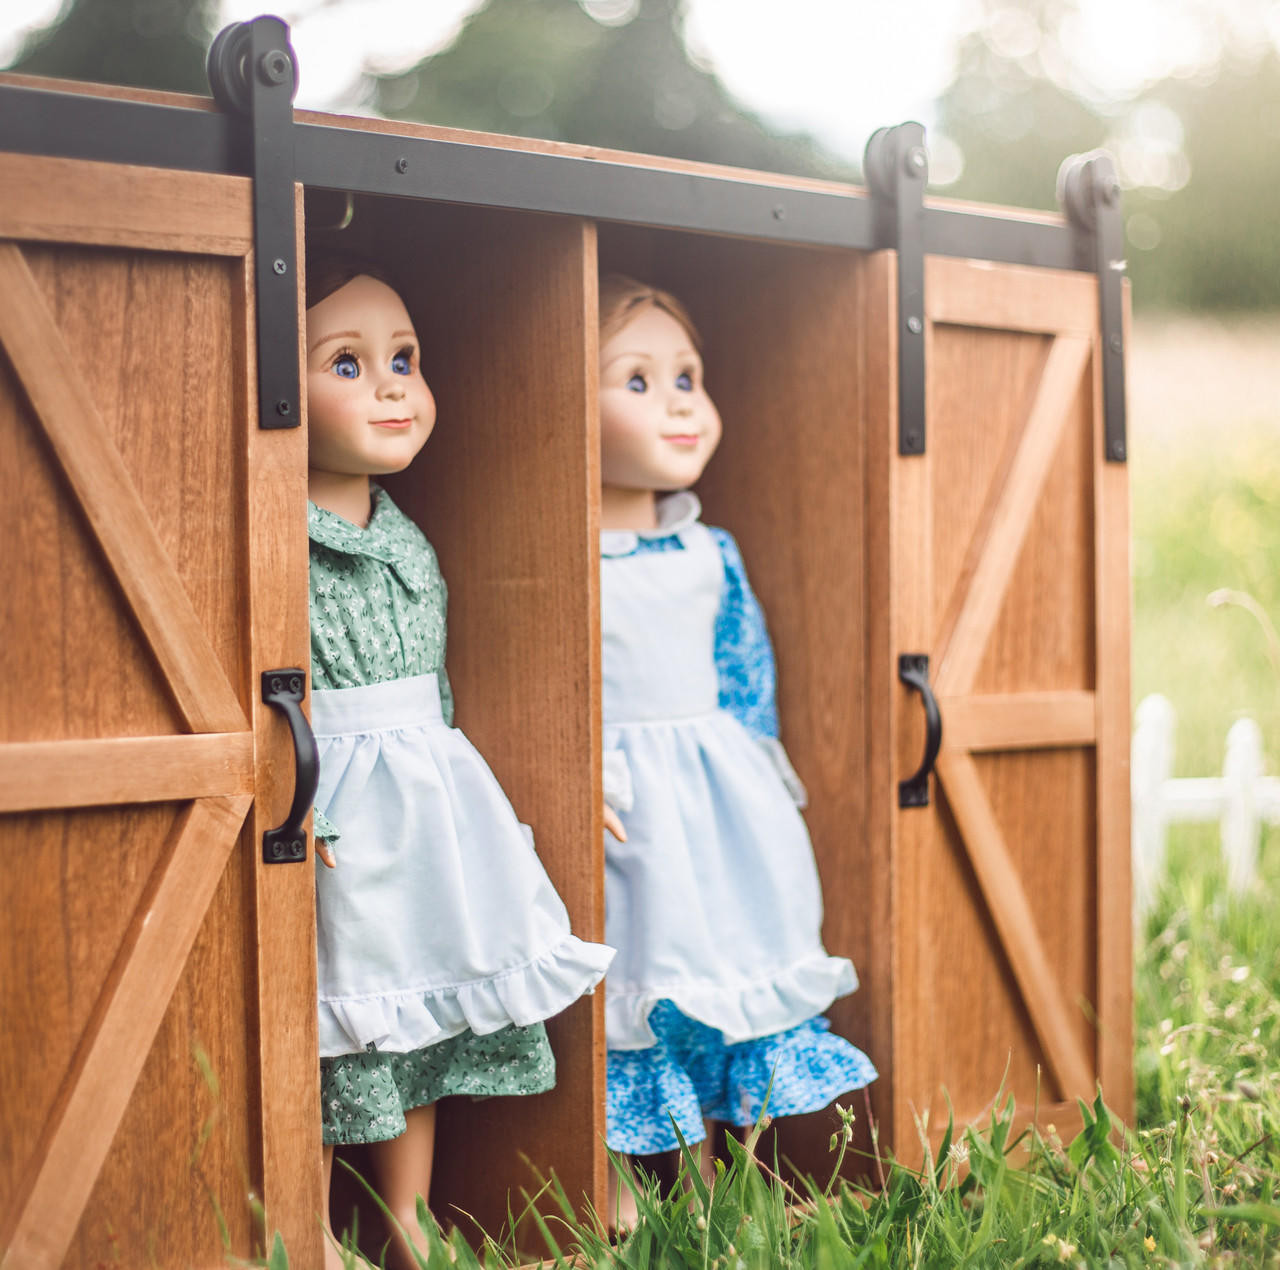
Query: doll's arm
[
  {"x": 745, "y": 666},
  {"x": 326, "y": 835},
  {"x": 618, "y": 794}
]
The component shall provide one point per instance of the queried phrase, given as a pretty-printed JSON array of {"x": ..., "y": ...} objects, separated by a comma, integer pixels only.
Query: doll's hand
[
  {"x": 613, "y": 824},
  {"x": 325, "y": 852}
]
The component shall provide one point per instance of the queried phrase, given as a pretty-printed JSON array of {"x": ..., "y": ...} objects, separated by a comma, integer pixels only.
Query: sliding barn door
[
  {"x": 156, "y": 980},
  {"x": 1009, "y": 572}
]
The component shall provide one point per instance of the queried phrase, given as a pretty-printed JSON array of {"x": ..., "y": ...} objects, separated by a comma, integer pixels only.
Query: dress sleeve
[
  {"x": 744, "y": 655},
  {"x": 745, "y": 666},
  {"x": 324, "y": 827},
  {"x": 446, "y": 696}
]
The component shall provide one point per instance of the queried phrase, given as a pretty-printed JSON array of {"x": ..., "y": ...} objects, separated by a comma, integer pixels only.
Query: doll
[
  {"x": 713, "y": 899},
  {"x": 442, "y": 945}
]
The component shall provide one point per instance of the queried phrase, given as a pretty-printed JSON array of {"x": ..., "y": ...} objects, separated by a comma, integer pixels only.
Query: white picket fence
[{"x": 1241, "y": 800}]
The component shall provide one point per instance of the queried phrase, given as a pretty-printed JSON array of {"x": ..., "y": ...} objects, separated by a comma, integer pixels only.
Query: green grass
[{"x": 1195, "y": 1182}]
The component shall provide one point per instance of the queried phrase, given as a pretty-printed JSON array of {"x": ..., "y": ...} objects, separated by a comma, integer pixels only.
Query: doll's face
[
  {"x": 658, "y": 427},
  {"x": 368, "y": 408}
]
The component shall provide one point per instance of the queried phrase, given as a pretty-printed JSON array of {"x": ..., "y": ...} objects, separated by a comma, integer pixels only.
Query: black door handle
[
  {"x": 284, "y": 689},
  {"x": 913, "y": 670}
]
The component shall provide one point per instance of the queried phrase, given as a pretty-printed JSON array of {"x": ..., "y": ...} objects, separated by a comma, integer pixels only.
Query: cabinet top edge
[{"x": 531, "y": 145}]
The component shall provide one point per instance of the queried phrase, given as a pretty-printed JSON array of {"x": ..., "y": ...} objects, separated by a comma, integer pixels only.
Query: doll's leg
[
  {"x": 402, "y": 1170},
  {"x": 332, "y": 1257},
  {"x": 623, "y": 1211},
  {"x": 662, "y": 1166}
]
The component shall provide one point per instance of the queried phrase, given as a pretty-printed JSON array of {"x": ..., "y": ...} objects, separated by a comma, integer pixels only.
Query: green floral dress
[{"x": 378, "y": 604}]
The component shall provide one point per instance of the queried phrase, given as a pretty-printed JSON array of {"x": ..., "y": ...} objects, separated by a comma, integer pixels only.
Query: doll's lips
[
  {"x": 394, "y": 424},
  {"x": 682, "y": 438}
]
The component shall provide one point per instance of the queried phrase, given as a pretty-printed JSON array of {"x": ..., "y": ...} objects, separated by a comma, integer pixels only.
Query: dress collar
[
  {"x": 677, "y": 513},
  {"x": 390, "y": 537}
]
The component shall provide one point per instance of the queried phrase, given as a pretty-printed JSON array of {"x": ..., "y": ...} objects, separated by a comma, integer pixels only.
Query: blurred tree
[
  {"x": 1211, "y": 243},
  {"x": 1014, "y": 121},
  {"x": 142, "y": 43},
  {"x": 1199, "y": 157},
  {"x": 611, "y": 73}
]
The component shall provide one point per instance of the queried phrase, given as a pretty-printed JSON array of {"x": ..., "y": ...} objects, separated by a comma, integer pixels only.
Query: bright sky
[{"x": 836, "y": 68}]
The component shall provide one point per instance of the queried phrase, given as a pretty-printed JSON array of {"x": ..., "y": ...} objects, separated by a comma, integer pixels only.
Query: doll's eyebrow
[
  {"x": 639, "y": 356},
  {"x": 337, "y": 335},
  {"x": 355, "y": 335}
]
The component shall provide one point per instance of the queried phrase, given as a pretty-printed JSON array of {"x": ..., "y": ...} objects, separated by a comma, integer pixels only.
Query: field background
[{"x": 1205, "y": 478}]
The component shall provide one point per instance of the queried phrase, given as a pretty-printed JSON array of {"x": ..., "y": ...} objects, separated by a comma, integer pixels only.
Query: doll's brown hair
[
  {"x": 622, "y": 298},
  {"x": 329, "y": 270}
]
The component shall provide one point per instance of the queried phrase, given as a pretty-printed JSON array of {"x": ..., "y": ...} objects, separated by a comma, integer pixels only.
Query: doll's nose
[{"x": 392, "y": 386}]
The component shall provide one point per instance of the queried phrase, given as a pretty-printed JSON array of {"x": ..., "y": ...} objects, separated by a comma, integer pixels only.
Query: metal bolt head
[
  {"x": 1110, "y": 192},
  {"x": 914, "y": 325},
  {"x": 274, "y": 66},
  {"x": 283, "y": 407},
  {"x": 915, "y": 161},
  {"x": 279, "y": 266},
  {"x": 402, "y": 165},
  {"x": 1115, "y": 344}
]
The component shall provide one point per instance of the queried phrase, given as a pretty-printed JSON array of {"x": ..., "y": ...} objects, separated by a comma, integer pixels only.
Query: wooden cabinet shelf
[{"x": 161, "y": 978}]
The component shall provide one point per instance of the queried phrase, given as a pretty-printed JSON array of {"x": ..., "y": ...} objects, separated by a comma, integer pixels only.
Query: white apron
[
  {"x": 713, "y": 901},
  {"x": 439, "y": 916}
]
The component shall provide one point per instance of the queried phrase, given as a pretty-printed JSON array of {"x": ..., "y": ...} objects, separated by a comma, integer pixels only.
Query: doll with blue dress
[
  {"x": 712, "y": 895},
  {"x": 442, "y": 945}
]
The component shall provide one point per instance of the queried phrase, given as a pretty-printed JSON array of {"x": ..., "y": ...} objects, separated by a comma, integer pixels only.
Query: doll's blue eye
[
  {"x": 346, "y": 366},
  {"x": 637, "y": 383},
  {"x": 402, "y": 362},
  {"x": 684, "y": 381}
]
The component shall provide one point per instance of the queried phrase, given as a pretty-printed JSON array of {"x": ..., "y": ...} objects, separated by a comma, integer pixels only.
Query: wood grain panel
[
  {"x": 1008, "y": 721},
  {"x": 57, "y": 591},
  {"x": 39, "y": 355},
  {"x": 1045, "y": 803},
  {"x": 876, "y": 334},
  {"x": 1007, "y": 903},
  {"x": 1043, "y": 635},
  {"x": 116, "y": 205},
  {"x": 1012, "y": 515},
  {"x": 49, "y": 774},
  {"x": 97, "y": 1089},
  {"x": 152, "y": 338},
  {"x": 193, "y": 1119},
  {"x": 981, "y": 387},
  {"x": 283, "y": 1025},
  {"x": 964, "y": 1031},
  {"x": 80, "y": 874},
  {"x": 982, "y": 293}
]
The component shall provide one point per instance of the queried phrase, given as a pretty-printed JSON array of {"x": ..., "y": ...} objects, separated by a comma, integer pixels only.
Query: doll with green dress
[{"x": 442, "y": 945}]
